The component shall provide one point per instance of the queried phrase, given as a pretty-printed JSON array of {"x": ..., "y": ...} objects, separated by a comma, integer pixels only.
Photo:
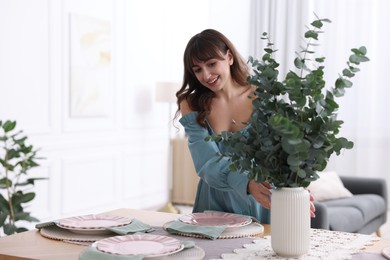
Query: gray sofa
[{"x": 365, "y": 212}]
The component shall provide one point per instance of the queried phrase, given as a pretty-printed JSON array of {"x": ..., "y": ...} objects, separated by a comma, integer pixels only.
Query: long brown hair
[{"x": 206, "y": 45}]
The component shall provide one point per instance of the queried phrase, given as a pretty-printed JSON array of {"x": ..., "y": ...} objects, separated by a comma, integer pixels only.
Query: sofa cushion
[
  {"x": 328, "y": 186},
  {"x": 347, "y": 219},
  {"x": 351, "y": 214}
]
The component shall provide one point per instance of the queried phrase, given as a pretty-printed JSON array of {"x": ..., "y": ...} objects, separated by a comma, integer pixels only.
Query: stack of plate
[
  {"x": 235, "y": 225},
  {"x": 92, "y": 224},
  {"x": 142, "y": 244},
  {"x": 228, "y": 220}
]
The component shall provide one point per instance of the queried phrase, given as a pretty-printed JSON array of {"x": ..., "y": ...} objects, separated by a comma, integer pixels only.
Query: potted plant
[
  {"x": 293, "y": 129},
  {"x": 16, "y": 158}
]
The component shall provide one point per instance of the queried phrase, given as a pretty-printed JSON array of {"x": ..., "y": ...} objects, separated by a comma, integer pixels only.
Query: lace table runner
[{"x": 324, "y": 244}]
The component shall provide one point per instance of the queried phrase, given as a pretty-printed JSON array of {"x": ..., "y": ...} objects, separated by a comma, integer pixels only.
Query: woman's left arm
[{"x": 208, "y": 164}]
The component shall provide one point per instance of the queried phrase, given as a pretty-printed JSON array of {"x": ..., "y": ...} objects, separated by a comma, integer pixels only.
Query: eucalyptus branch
[{"x": 293, "y": 128}]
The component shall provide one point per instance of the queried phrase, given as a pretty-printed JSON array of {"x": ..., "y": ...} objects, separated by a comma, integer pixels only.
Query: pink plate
[
  {"x": 93, "y": 222},
  {"x": 143, "y": 244},
  {"x": 216, "y": 219}
]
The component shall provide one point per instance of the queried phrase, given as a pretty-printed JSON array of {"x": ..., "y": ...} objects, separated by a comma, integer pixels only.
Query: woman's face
[{"x": 214, "y": 73}]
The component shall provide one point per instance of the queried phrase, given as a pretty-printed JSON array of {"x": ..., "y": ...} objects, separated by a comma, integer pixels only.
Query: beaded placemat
[
  {"x": 324, "y": 244},
  {"x": 57, "y": 233},
  {"x": 251, "y": 230}
]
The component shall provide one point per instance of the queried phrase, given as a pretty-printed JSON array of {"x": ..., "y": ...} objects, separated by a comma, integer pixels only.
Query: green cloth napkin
[
  {"x": 45, "y": 224},
  {"x": 91, "y": 253},
  {"x": 212, "y": 232},
  {"x": 134, "y": 227}
]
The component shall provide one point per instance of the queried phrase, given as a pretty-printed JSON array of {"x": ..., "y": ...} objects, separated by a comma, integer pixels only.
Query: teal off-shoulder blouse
[{"x": 219, "y": 188}]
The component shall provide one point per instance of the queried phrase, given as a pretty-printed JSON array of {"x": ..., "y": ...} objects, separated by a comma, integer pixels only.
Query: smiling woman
[{"x": 214, "y": 92}]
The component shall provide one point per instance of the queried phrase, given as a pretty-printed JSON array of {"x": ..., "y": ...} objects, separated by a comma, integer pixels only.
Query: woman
[{"x": 212, "y": 99}]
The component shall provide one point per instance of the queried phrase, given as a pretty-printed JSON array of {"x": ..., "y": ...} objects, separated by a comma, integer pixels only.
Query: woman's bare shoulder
[
  {"x": 185, "y": 107},
  {"x": 251, "y": 91}
]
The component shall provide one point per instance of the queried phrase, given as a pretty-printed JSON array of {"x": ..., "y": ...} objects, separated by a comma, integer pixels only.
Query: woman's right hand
[{"x": 261, "y": 192}]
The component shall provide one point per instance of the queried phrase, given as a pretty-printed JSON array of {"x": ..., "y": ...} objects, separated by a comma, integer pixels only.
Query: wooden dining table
[{"x": 32, "y": 245}]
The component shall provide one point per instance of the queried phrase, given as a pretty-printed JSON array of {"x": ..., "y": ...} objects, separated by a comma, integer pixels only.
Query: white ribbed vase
[{"x": 290, "y": 221}]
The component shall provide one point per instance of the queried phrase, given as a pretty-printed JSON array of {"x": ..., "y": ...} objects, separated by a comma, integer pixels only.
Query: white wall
[
  {"x": 120, "y": 159},
  {"x": 232, "y": 18}
]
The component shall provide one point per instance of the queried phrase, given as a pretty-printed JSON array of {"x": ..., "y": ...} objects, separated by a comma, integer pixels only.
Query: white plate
[
  {"x": 143, "y": 244},
  {"x": 92, "y": 224},
  {"x": 216, "y": 219}
]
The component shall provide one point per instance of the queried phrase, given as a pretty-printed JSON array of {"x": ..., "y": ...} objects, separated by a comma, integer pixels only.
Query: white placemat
[
  {"x": 57, "y": 233},
  {"x": 325, "y": 244}
]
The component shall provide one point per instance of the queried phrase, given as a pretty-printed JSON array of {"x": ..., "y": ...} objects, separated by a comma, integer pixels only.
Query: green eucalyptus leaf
[
  {"x": 356, "y": 59},
  {"x": 360, "y": 52},
  {"x": 301, "y": 173},
  {"x": 25, "y": 216},
  {"x": 9, "y": 229},
  {"x": 343, "y": 83},
  {"x": 318, "y": 143},
  {"x": 3, "y": 218},
  {"x": 348, "y": 73},
  {"x": 9, "y": 126},
  {"x": 5, "y": 183},
  {"x": 3, "y": 201},
  {"x": 293, "y": 160},
  {"x": 30, "y": 181},
  {"x": 363, "y": 50},
  {"x": 21, "y": 229},
  {"x": 299, "y": 63},
  {"x": 311, "y": 34},
  {"x": 317, "y": 23},
  {"x": 339, "y": 92},
  {"x": 19, "y": 198},
  {"x": 322, "y": 59}
]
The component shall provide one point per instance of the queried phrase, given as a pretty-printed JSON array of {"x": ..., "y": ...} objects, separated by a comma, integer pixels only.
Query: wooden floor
[{"x": 385, "y": 229}]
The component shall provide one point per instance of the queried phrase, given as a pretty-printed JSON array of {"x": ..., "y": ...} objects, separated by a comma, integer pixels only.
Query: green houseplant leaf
[{"x": 16, "y": 159}]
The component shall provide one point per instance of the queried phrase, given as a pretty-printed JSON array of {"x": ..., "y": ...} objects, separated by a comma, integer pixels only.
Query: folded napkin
[
  {"x": 134, "y": 227},
  {"x": 46, "y": 224},
  {"x": 91, "y": 253},
  {"x": 212, "y": 232}
]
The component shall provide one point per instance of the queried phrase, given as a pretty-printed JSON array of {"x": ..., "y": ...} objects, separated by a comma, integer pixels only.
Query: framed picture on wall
[{"x": 90, "y": 66}]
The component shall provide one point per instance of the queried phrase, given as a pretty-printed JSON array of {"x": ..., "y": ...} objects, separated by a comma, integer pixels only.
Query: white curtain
[{"x": 364, "y": 108}]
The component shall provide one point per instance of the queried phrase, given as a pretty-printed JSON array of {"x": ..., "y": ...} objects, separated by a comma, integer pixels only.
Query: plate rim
[
  {"x": 247, "y": 221},
  {"x": 180, "y": 248},
  {"x": 125, "y": 221}
]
